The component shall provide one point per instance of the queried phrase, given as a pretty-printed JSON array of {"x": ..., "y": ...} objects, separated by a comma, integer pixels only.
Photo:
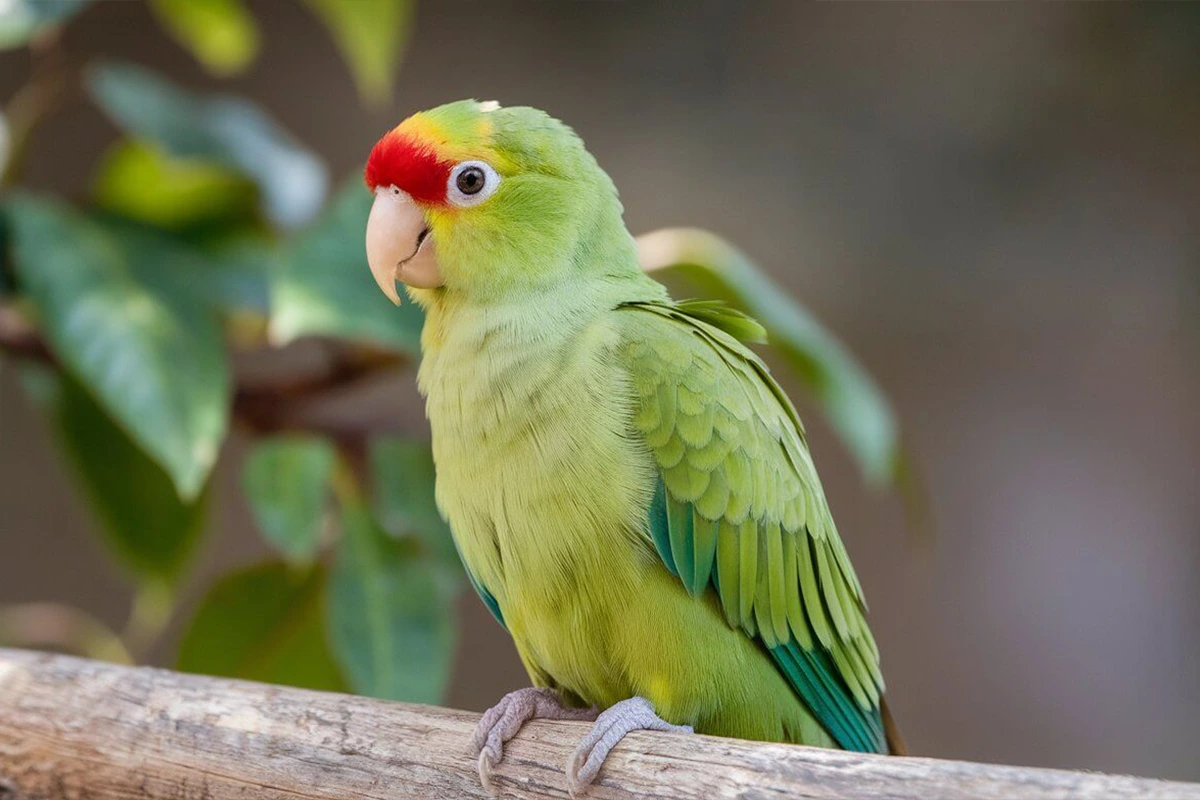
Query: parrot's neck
[{"x": 464, "y": 324}]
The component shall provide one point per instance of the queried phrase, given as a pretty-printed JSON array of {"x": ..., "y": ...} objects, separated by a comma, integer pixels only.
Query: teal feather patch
[
  {"x": 679, "y": 521},
  {"x": 815, "y": 678},
  {"x": 660, "y": 528},
  {"x": 704, "y": 537}
]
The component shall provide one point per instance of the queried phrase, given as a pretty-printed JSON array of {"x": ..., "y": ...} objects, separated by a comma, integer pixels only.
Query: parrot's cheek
[{"x": 398, "y": 244}]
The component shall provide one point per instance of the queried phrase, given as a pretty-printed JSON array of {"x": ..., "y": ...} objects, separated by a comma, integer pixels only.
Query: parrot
[{"x": 630, "y": 490}]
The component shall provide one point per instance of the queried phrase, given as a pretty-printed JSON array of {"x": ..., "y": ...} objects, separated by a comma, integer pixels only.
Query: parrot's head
[{"x": 484, "y": 200}]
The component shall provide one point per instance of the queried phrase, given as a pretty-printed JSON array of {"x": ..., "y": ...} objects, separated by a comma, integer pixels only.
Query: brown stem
[
  {"x": 36, "y": 100},
  {"x": 19, "y": 338}
]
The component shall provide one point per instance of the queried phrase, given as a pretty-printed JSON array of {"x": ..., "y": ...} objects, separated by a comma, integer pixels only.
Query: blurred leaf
[
  {"x": 264, "y": 623},
  {"x": 154, "y": 358},
  {"x": 144, "y": 523},
  {"x": 223, "y": 274},
  {"x": 238, "y": 277},
  {"x": 391, "y": 614},
  {"x": 22, "y": 20},
  {"x": 855, "y": 406},
  {"x": 220, "y": 33},
  {"x": 140, "y": 181},
  {"x": 402, "y": 477},
  {"x": 371, "y": 35},
  {"x": 227, "y": 130},
  {"x": 287, "y": 482},
  {"x": 324, "y": 287}
]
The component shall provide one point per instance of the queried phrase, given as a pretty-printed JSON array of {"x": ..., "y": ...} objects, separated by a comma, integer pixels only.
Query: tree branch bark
[{"x": 72, "y": 728}]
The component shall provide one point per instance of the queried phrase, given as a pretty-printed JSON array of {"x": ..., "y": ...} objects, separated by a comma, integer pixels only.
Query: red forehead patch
[{"x": 411, "y": 165}]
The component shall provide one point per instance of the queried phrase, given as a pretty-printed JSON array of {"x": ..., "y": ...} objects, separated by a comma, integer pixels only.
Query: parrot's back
[{"x": 621, "y": 477}]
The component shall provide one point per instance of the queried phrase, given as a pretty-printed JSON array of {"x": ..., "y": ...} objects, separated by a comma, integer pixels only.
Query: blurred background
[{"x": 996, "y": 208}]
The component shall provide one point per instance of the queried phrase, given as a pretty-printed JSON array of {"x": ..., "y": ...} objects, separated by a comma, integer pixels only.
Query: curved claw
[
  {"x": 502, "y": 721},
  {"x": 634, "y": 714}
]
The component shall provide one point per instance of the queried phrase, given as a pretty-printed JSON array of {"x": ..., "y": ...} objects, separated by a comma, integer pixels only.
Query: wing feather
[{"x": 739, "y": 507}]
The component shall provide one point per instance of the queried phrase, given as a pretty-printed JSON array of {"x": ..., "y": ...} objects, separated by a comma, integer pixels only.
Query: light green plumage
[{"x": 630, "y": 490}]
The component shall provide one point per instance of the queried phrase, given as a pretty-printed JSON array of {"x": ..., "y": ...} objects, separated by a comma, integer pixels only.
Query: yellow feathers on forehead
[{"x": 455, "y": 131}]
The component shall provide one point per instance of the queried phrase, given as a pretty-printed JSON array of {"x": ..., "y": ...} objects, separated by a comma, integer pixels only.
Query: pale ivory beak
[{"x": 399, "y": 247}]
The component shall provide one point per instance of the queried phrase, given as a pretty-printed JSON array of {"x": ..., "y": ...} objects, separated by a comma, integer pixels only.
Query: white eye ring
[{"x": 491, "y": 182}]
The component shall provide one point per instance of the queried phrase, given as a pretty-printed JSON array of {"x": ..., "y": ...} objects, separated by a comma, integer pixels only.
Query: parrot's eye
[{"x": 471, "y": 182}]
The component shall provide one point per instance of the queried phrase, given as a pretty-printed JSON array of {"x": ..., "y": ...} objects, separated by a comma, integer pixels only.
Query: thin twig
[{"x": 35, "y": 101}]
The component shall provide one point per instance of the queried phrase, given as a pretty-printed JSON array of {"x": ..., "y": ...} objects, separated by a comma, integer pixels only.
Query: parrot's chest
[{"x": 543, "y": 487}]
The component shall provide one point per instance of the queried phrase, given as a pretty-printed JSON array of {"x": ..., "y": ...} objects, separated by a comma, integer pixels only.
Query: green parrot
[{"x": 629, "y": 488}]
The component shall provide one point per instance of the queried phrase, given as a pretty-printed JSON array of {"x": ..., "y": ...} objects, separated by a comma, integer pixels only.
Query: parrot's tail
[{"x": 891, "y": 730}]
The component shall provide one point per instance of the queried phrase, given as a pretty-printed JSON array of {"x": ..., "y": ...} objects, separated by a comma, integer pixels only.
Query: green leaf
[
  {"x": 323, "y": 285},
  {"x": 264, "y": 623},
  {"x": 22, "y": 20},
  {"x": 144, "y": 523},
  {"x": 391, "y": 614},
  {"x": 239, "y": 274},
  {"x": 223, "y": 273},
  {"x": 142, "y": 182},
  {"x": 854, "y": 404},
  {"x": 371, "y": 35},
  {"x": 220, "y": 33},
  {"x": 287, "y": 482},
  {"x": 222, "y": 129},
  {"x": 402, "y": 479},
  {"x": 152, "y": 357}
]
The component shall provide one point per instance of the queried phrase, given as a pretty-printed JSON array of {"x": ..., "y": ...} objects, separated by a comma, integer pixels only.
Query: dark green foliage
[
  {"x": 228, "y": 131},
  {"x": 264, "y": 623},
  {"x": 287, "y": 482},
  {"x": 185, "y": 255},
  {"x": 391, "y": 613},
  {"x": 143, "y": 520},
  {"x": 151, "y": 355},
  {"x": 402, "y": 478}
]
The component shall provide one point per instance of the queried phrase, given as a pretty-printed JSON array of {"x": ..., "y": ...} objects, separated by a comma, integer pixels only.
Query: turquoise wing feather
[{"x": 739, "y": 509}]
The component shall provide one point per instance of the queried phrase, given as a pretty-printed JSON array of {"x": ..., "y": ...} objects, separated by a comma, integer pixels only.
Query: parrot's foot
[
  {"x": 502, "y": 721},
  {"x": 634, "y": 714}
]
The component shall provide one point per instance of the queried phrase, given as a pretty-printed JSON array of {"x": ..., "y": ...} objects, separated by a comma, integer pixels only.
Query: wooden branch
[{"x": 72, "y": 728}]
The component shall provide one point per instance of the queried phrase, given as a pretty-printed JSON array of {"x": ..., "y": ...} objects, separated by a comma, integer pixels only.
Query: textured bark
[{"x": 71, "y": 728}]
